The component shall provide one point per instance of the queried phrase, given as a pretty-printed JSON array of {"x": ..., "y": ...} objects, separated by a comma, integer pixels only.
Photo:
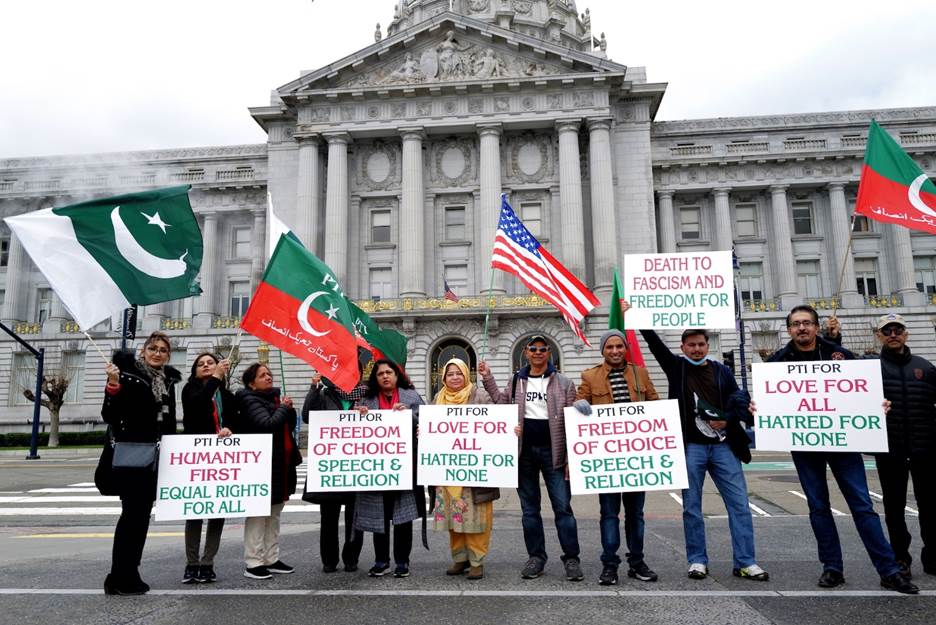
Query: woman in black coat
[
  {"x": 260, "y": 411},
  {"x": 139, "y": 406},
  {"x": 207, "y": 408}
]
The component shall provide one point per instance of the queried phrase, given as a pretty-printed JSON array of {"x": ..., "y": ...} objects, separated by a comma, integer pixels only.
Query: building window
[
  {"x": 746, "y": 220},
  {"x": 43, "y": 304},
  {"x": 807, "y": 278},
  {"x": 752, "y": 281},
  {"x": 22, "y": 377},
  {"x": 241, "y": 243},
  {"x": 381, "y": 283},
  {"x": 380, "y": 227},
  {"x": 925, "y": 269},
  {"x": 866, "y": 274},
  {"x": 4, "y": 251},
  {"x": 862, "y": 224},
  {"x": 240, "y": 297},
  {"x": 531, "y": 214},
  {"x": 802, "y": 218},
  {"x": 457, "y": 277},
  {"x": 73, "y": 370},
  {"x": 690, "y": 222},
  {"x": 2, "y": 298},
  {"x": 455, "y": 223}
]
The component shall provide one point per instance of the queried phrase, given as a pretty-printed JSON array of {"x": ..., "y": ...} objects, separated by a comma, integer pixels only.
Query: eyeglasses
[
  {"x": 895, "y": 331},
  {"x": 157, "y": 350},
  {"x": 802, "y": 324},
  {"x": 541, "y": 350}
]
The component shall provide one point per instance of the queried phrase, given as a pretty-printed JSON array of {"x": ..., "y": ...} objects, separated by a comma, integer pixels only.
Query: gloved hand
[{"x": 582, "y": 406}]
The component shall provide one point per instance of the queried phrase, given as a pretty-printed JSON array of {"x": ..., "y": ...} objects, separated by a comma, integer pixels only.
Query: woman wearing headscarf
[
  {"x": 207, "y": 408},
  {"x": 388, "y": 388},
  {"x": 466, "y": 512},
  {"x": 139, "y": 407},
  {"x": 261, "y": 411}
]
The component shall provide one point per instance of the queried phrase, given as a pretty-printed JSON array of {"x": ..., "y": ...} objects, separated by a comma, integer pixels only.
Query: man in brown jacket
[{"x": 611, "y": 382}]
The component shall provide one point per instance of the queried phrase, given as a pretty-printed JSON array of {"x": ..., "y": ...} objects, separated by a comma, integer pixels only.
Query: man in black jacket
[{"x": 910, "y": 385}]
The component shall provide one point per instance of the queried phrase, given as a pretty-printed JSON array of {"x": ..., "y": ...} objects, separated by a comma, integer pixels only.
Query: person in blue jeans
[
  {"x": 542, "y": 393},
  {"x": 847, "y": 469}
]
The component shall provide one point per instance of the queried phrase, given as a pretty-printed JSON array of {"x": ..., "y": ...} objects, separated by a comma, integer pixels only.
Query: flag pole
[
  {"x": 838, "y": 289},
  {"x": 487, "y": 316},
  {"x": 99, "y": 350}
]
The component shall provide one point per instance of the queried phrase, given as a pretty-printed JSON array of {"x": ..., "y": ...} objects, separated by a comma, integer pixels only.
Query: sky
[{"x": 113, "y": 75}]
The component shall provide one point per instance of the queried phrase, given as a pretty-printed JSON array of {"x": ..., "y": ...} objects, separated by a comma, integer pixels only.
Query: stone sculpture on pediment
[
  {"x": 409, "y": 72},
  {"x": 452, "y": 61},
  {"x": 522, "y": 7},
  {"x": 478, "y": 6},
  {"x": 490, "y": 66}
]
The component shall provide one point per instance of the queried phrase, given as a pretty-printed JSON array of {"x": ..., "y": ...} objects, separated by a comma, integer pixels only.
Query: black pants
[
  {"x": 130, "y": 537},
  {"x": 402, "y": 536},
  {"x": 328, "y": 536},
  {"x": 894, "y": 471}
]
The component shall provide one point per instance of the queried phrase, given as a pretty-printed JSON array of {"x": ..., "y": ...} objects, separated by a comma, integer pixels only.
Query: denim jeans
[
  {"x": 533, "y": 461},
  {"x": 610, "y": 505},
  {"x": 849, "y": 472},
  {"x": 726, "y": 472}
]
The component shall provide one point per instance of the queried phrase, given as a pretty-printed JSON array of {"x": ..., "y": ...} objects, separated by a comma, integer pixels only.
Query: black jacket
[
  {"x": 910, "y": 385},
  {"x": 258, "y": 413},
  {"x": 828, "y": 350},
  {"x": 198, "y": 406},
  {"x": 323, "y": 398}
]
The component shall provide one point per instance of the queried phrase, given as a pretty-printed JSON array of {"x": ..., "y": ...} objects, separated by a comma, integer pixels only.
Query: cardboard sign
[
  {"x": 206, "y": 477},
  {"x": 626, "y": 447},
  {"x": 349, "y": 451},
  {"x": 679, "y": 291},
  {"x": 823, "y": 405},
  {"x": 468, "y": 445}
]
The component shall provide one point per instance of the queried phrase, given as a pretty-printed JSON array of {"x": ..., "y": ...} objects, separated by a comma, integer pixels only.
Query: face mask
[{"x": 696, "y": 362}]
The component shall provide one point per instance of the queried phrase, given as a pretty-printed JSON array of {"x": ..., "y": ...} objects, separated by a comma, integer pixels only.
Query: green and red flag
[
  {"x": 300, "y": 308},
  {"x": 893, "y": 188},
  {"x": 381, "y": 342},
  {"x": 616, "y": 322}
]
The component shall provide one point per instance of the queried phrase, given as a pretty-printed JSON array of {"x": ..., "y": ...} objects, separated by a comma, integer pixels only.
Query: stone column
[
  {"x": 336, "y": 205},
  {"x": 258, "y": 241},
  {"x": 490, "y": 177},
  {"x": 667, "y": 222},
  {"x": 849, "y": 296},
  {"x": 13, "y": 294},
  {"x": 903, "y": 267},
  {"x": 154, "y": 314},
  {"x": 205, "y": 310},
  {"x": 724, "y": 240},
  {"x": 570, "y": 194},
  {"x": 308, "y": 192},
  {"x": 784, "y": 266},
  {"x": 57, "y": 314},
  {"x": 412, "y": 273},
  {"x": 604, "y": 228}
]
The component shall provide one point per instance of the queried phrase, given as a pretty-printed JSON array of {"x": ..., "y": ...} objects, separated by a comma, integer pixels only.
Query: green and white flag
[{"x": 105, "y": 255}]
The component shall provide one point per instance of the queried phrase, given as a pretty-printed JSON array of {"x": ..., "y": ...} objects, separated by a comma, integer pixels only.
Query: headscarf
[{"x": 445, "y": 396}]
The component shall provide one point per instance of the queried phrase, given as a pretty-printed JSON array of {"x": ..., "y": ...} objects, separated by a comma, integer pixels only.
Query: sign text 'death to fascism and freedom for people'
[
  {"x": 204, "y": 477},
  {"x": 350, "y": 451},
  {"x": 820, "y": 406},
  {"x": 678, "y": 291},
  {"x": 468, "y": 445},
  {"x": 626, "y": 447}
]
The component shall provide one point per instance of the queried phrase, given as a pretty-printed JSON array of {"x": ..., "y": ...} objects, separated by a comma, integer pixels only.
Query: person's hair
[
  {"x": 373, "y": 389},
  {"x": 693, "y": 332},
  {"x": 803, "y": 308},
  {"x": 252, "y": 372},
  {"x": 194, "y": 375},
  {"x": 158, "y": 336}
]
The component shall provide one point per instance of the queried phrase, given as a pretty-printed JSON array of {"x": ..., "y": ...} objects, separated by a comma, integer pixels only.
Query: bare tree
[{"x": 54, "y": 388}]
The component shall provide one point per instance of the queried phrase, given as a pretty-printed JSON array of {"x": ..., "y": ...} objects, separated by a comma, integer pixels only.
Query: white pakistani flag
[
  {"x": 105, "y": 255},
  {"x": 275, "y": 228}
]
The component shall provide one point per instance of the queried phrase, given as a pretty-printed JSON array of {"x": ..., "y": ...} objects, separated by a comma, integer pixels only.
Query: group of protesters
[{"x": 716, "y": 418}]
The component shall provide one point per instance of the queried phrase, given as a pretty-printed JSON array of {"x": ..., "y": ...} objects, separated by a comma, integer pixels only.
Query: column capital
[
  {"x": 836, "y": 186},
  {"x": 208, "y": 214},
  {"x": 598, "y": 123},
  {"x": 721, "y": 192},
  {"x": 666, "y": 194},
  {"x": 411, "y": 133},
  {"x": 568, "y": 125},
  {"x": 313, "y": 139},
  {"x": 490, "y": 129},
  {"x": 337, "y": 137},
  {"x": 779, "y": 188}
]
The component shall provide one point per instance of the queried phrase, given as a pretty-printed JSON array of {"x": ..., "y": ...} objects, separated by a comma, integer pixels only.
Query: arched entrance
[
  {"x": 518, "y": 357},
  {"x": 445, "y": 351}
]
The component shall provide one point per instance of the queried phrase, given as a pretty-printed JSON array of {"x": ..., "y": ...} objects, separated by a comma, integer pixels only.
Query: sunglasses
[
  {"x": 540, "y": 350},
  {"x": 892, "y": 331}
]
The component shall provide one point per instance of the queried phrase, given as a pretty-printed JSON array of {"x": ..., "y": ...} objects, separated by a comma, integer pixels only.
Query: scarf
[
  {"x": 157, "y": 379},
  {"x": 387, "y": 404},
  {"x": 354, "y": 397},
  {"x": 446, "y": 396}
]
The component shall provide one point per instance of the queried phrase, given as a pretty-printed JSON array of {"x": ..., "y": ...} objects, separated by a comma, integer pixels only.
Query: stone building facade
[{"x": 389, "y": 164}]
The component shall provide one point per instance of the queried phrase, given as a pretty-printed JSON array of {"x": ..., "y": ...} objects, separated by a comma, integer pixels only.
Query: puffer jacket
[
  {"x": 259, "y": 412},
  {"x": 910, "y": 385}
]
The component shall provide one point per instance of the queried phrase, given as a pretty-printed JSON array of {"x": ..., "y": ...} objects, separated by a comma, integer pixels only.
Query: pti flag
[
  {"x": 517, "y": 252},
  {"x": 300, "y": 308},
  {"x": 105, "y": 255},
  {"x": 382, "y": 343},
  {"x": 616, "y": 322},
  {"x": 893, "y": 188}
]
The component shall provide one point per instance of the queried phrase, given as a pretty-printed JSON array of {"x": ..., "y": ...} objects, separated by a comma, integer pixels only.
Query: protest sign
[
  {"x": 626, "y": 447},
  {"x": 679, "y": 291},
  {"x": 820, "y": 406},
  {"x": 349, "y": 451},
  {"x": 468, "y": 446},
  {"x": 205, "y": 477}
]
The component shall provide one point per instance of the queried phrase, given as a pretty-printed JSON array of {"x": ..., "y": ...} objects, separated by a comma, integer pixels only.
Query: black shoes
[
  {"x": 190, "y": 576},
  {"x": 128, "y": 588},
  {"x": 401, "y": 570},
  {"x": 573, "y": 569},
  {"x": 329, "y": 568},
  {"x": 609, "y": 576},
  {"x": 642, "y": 572},
  {"x": 280, "y": 568},
  {"x": 833, "y": 579},
  {"x": 899, "y": 583},
  {"x": 206, "y": 574},
  {"x": 350, "y": 568},
  {"x": 533, "y": 568},
  {"x": 257, "y": 572},
  {"x": 379, "y": 569}
]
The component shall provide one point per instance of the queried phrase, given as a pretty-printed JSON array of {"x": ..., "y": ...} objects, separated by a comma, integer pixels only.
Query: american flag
[
  {"x": 517, "y": 252},
  {"x": 449, "y": 293}
]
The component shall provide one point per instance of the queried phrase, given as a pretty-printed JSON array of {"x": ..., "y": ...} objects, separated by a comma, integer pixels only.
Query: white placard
[
  {"x": 204, "y": 477},
  {"x": 679, "y": 291},
  {"x": 349, "y": 451},
  {"x": 822, "y": 405},
  {"x": 468, "y": 445},
  {"x": 626, "y": 447}
]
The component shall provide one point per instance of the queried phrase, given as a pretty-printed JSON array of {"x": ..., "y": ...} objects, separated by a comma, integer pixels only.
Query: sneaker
[
  {"x": 753, "y": 572},
  {"x": 899, "y": 583},
  {"x": 697, "y": 570},
  {"x": 190, "y": 576},
  {"x": 379, "y": 569},
  {"x": 533, "y": 569},
  {"x": 401, "y": 570},
  {"x": 280, "y": 568},
  {"x": 458, "y": 568},
  {"x": 573, "y": 570},
  {"x": 258, "y": 572},
  {"x": 609, "y": 575},
  {"x": 831, "y": 579},
  {"x": 206, "y": 574},
  {"x": 642, "y": 572}
]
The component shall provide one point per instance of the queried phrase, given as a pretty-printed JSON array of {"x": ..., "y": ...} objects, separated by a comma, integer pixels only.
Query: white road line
[
  {"x": 302, "y": 508},
  {"x": 758, "y": 510},
  {"x": 75, "y": 499},
  {"x": 79, "y": 484},
  {"x": 881, "y": 498},
  {"x": 803, "y": 497},
  {"x": 76, "y": 489},
  {"x": 676, "y": 497}
]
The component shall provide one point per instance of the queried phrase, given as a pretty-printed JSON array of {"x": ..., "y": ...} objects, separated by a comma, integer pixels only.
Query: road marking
[
  {"x": 75, "y": 499},
  {"x": 881, "y": 498},
  {"x": 758, "y": 510},
  {"x": 79, "y": 484},
  {"x": 105, "y": 511},
  {"x": 102, "y": 535},
  {"x": 65, "y": 490},
  {"x": 803, "y": 497}
]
